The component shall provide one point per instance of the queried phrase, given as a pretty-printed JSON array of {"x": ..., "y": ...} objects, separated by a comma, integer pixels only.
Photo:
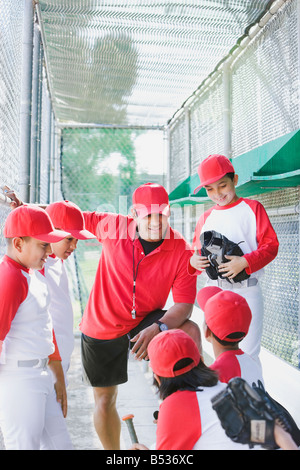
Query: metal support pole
[
  {"x": 52, "y": 161},
  {"x": 188, "y": 141},
  {"x": 36, "y": 73},
  {"x": 25, "y": 105},
  {"x": 186, "y": 229},
  {"x": 47, "y": 137},
  {"x": 227, "y": 110},
  {"x": 45, "y": 146},
  {"x": 168, "y": 185}
]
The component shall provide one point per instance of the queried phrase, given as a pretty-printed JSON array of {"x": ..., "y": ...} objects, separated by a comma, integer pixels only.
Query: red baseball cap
[
  {"x": 32, "y": 221},
  {"x": 151, "y": 198},
  {"x": 225, "y": 312},
  {"x": 212, "y": 169},
  {"x": 169, "y": 347},
  {"x": 67, "y": 216}
]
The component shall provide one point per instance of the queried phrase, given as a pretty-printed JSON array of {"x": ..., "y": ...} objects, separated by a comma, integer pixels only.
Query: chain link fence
[
  {"x": 100, "y": 169},
  {"x": 263, "y": 90},
  {"x": 280, "y": 283},
  {"x": 10, "y": 91},
  {"x": 40, "y": 170}
]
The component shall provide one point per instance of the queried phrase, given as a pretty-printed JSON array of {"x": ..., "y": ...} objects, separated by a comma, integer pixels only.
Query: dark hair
[
  {"x": 230, "y": 175},
  {"x": 200, "y": 375},
  {"x": 239, "y": 335}
]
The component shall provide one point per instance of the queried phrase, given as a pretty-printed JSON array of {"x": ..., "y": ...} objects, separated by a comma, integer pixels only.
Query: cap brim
[
  {"x": 52, "y": 237},
  {"x": 197, "y": 189},
  {"x": 82, "y": 234},
  {"x": 144, "y": 211},
  {"x": 210, "y": 181}
]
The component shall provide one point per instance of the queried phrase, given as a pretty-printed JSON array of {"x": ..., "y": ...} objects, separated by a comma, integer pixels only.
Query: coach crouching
[{"x": 143, "y": 259}]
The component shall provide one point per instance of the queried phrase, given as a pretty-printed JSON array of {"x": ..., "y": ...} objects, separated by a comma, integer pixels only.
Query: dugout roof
[{"x": 135, "y": 62}]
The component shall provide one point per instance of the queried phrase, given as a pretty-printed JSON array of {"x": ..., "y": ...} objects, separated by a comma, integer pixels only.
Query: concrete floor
[{"x": 136, "y": 397}]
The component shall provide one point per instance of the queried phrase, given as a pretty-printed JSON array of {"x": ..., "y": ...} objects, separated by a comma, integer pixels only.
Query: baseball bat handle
[{"x": 128, "y": 419}]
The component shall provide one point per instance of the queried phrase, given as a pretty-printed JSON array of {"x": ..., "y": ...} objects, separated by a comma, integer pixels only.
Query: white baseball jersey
[
  {"x": 247, "y": 223},
  {"x": 28, "y": 405},
  {"x": 25, "y": 323},
  {"x": 187, "y": 421},
  {"x": 60, "y": 307},
  {"x": 236, "y": 363}
]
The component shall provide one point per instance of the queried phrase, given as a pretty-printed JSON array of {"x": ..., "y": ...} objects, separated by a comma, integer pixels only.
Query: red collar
[
  {"x": 16, "y": 264},
  {"x": 229, "y": 206}
]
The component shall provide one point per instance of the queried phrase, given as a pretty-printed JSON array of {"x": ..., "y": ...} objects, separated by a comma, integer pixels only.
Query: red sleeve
[
  {"x": 56, "y": 355},
  {"x": 104, "y": 224},
  {"x": 184, "y": 287},
  {"x": 267, "y": 241},
  {"x": 227, "y": 367},
  {"x": 13, "y": 291},
  {"x": 179, "y": 423}
]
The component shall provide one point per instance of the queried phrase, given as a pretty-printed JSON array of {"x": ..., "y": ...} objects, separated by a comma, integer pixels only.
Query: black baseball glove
[
  {"x": 215, "y": 246},
  {"x": 248, "y": 414}
]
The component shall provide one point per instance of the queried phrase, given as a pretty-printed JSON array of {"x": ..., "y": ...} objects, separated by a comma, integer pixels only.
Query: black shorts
[{"x": 105, "y": 361}]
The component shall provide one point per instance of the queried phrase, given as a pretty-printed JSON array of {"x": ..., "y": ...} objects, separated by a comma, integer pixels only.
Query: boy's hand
[
  {"x": 59, "y": 385},
  {"x": 61, "y": 396},
  {"x": 138, "y": 446},
  {"x": 233, "y": 267},
  {"x": 198, "y": 262}
]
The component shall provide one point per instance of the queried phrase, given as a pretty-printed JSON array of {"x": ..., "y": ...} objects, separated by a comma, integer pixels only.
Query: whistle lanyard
[
  {"x": 135, "y": 273},
  {"x": 148, "y": 247}
]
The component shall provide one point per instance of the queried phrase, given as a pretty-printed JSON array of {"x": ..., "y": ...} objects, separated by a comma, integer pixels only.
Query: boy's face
[
  {"x": 222, "y": 192},
  {"x": 64, "y": 248},
  {"x": 153, "y": 227},
  {"x": 32, "y": 253}
]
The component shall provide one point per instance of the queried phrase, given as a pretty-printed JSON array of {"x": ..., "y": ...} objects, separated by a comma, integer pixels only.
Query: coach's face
[{"x": 153, "y": 227}]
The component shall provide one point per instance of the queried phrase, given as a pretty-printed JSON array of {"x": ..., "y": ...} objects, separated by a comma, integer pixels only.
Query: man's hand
[
  {"x": 142, "y": 339},
  {"x": 15, "y": 201},
  {"x": 233, "y": 267}
]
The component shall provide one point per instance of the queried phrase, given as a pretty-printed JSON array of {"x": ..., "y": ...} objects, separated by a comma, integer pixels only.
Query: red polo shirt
[{"x": 108, "y": 311}]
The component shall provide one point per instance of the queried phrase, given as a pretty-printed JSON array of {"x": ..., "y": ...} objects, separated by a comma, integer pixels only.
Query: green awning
[
  {"x": 270, "y": 167},
  {"x": 183, "y": 194}
]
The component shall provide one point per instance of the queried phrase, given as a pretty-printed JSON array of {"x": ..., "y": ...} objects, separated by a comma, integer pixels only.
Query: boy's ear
[
  {"x": 18, "y": 243},
  {"x": 235, "y": 179},
  {"x": 206, "y": 331},
  {"x": 157, "y": 379}
]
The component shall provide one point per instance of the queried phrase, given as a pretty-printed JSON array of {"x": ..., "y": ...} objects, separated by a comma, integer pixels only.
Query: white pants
[
  {"x": 30, "y": 416},
  {"x": 252, "y": 342}
]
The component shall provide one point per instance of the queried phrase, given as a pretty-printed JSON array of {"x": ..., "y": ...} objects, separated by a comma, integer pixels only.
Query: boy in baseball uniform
[
  {"x": 240, "y": 220},
  {"x": 186, "y": 419},
  {"x": 27, "y": 343},
  {"x": 63, "y": 214},
  {"x": 227, "y": 320}
]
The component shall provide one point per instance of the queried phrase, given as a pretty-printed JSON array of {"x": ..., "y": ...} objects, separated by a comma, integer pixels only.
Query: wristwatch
[{"x": 162, "y": 326}]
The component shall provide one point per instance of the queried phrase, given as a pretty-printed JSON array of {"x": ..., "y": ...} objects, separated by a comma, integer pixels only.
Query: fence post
[
  {"x": 226, "y": 74},
  {"x": 188, "y": 140},
  {"x": 35, "y": 125},
  {"x": 25, "y": 105},
  {"x": 168, "y": 183}
]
